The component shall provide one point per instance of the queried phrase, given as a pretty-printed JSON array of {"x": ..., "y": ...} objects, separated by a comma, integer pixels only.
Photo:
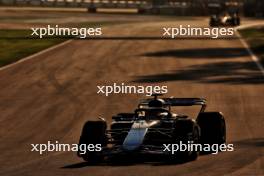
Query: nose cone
[
  {"x": 136, "y": 135},
  {"x": 134, "y": 138}
]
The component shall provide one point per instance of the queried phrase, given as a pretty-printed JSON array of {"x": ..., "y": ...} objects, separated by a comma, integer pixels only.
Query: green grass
[
  {"x": 15, "y": 44},
  {"x": 255, "y": 38}
]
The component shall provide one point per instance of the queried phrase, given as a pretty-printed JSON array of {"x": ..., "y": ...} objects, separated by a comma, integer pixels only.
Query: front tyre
[
  {"x": 94, "y": 132},
  {"x": 186, "y": 131},
  {"x": 213, "y": 128}
]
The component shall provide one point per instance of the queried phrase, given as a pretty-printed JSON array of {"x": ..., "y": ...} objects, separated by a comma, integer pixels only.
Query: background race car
[{"x": 224, "y": 14}]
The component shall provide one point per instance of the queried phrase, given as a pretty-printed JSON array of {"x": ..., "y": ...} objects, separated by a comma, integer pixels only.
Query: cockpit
[{"x": 152, "y": 113}]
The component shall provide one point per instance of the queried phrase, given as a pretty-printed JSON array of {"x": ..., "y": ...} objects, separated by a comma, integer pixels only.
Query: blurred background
[{"x": 250, "y": 8}]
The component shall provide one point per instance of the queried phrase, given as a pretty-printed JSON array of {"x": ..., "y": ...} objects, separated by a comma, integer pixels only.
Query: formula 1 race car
[
  {"x": 224, "y": 19},
  {"x": 224, "y": 14},
  {"x": 150, "y": 126}
]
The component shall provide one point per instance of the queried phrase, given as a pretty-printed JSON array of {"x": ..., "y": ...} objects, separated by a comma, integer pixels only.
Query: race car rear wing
[
  {"x": 168, "y": 102},
  {"x": 185, "y": 101},
  {"x": 178, "y": 101}
]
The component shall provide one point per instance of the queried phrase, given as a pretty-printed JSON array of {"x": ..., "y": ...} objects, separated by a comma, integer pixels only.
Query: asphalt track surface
[{"x": 50, "y": 96}]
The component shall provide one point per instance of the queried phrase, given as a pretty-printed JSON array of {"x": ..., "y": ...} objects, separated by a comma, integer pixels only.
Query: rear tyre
[
  {"x": 213, "y": 128},
  {"x": 187, "y": 131},
  {"x": 141, "y": 11},
  {"x": 237, "y": 21},
  {"x": 94, "y": 132},
  {"x": 92, "y": 10},
  {"x": 196, "y": 139},
  {"x": 213, "y": 23}
]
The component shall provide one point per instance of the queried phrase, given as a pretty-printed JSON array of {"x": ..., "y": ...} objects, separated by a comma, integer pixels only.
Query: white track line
[
  {"x": 253, "y": 56},
  {"x": 247, "y": 47},
  {"x": 244, "y": 26},
  {"x": 35, "y": 55}
]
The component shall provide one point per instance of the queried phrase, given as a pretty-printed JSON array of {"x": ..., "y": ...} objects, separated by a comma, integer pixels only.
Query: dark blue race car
[{"x": 150, "y": 126}]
